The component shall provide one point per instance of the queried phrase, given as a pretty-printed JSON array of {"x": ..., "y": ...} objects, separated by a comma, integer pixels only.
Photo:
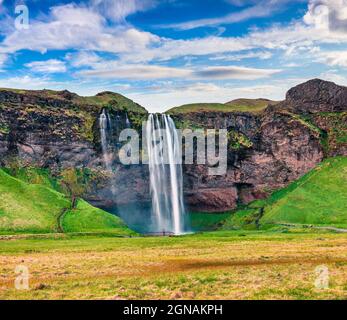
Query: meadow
[{"x": 214, "y": 265}]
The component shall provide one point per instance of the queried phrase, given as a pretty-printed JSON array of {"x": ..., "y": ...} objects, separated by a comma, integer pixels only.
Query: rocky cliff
[
  {"x": 271, "y": 148},
  {"x": 267, "y": 149}
]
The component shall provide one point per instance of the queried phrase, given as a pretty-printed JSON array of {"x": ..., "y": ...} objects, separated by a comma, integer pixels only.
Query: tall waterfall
[{"x": 166, "y": 181}]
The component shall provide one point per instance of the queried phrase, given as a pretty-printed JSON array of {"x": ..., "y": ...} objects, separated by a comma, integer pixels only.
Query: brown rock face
[
  {"x": 317, "y": 96},
  {"x": 213, "y": 200},
  {"x": 283, "y": 149},
  {"x": 287, "y": 141}
]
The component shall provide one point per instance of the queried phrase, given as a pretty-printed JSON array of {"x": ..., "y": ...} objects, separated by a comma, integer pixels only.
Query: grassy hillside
[
  {"x": 250, "y": 105},
  {"x": 36, "y": 208},
  {"x": 318, "y": 198},
  {"x": 28, "y": 208},
  {"x": 206, "y": 221},
  {"x": 103, "y": 99},
  {"x": 239, "y": 105},
  {"x": 86, "y": 218}
]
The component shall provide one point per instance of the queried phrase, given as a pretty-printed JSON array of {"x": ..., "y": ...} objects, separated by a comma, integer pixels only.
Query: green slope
[
  {"x": 319, "y": 198},
  {"x": 28, "y": 208},
  {"x": 36, "y": 208},
  {"x": 86, "y": 218}
]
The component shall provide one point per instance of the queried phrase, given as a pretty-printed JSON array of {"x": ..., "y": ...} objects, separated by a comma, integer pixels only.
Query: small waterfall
[
  {"x": 127, "y": 121},
  {"x": 105, "y": 126},
  {"x": 166, "y": 179}
]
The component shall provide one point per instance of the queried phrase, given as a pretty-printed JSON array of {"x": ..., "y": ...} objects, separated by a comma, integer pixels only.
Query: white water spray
[{"x": 166, "y": 179}]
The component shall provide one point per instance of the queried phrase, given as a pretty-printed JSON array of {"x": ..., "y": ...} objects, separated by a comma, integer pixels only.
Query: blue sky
[{"x": 171, "y": 52}]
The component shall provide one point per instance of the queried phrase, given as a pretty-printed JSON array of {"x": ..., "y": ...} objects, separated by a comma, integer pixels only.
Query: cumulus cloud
[
  {"x": 71, "y": 26},
  {"x": 48, "y": 66}
]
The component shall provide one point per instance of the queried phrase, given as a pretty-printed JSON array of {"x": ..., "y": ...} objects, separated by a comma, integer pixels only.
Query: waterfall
[
  {"x": 166, "y": 179},
  {"x": 105, "y": 125},
  {"x": 127, "y": 121}
]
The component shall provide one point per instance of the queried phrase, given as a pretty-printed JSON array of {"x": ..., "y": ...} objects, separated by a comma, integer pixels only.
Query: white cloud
[
  {"x": 3, "y": 59},
  {"x": 70, "y": 26},
  {"x": 332, "y": 75},
  {"x": 334, "y": 58},
  {"x": 83, "y": 59},
  {"x": 257, "y": 11},
  {"x": 112, "y": 70},
  {"x": 26, "y": 82},
  {"x": 328, "y": 14},
  {"x": 233, "y": 72},
  {"x": 135, "y": 72},
  {"x": 118, "y": 10},
  {"x": 48, "y": 66},
  {"x": 261, "y": 9},
  {"x": 262, "y": 55}
]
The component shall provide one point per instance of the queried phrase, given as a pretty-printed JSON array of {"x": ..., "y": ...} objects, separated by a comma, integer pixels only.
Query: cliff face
[
  {"x": 270, "y": 149},
  {"x": 57, "y": 130},
  {"x": 266, "y": 150}
]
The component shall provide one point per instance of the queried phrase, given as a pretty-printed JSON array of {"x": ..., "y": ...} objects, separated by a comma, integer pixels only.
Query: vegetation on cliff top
[
  {"x": 36, "y": 208},
  {"x": 239, "y": 105},
  {"x": 103, "y": 99}
]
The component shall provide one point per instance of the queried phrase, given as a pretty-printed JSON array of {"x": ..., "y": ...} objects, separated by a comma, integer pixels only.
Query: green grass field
[{"x": 217, "y": 265}]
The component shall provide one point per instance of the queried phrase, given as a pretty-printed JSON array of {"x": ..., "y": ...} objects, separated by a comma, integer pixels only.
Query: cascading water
[
  {"x": 105, "y": 125},
  {"x": 127, "y": 121},
  {"x": 166, "y": 179}
]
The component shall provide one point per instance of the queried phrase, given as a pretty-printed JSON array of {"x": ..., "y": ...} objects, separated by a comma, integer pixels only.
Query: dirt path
[
  {"x": 339, "y": 230},
  {"x": 61, "y": 219}
]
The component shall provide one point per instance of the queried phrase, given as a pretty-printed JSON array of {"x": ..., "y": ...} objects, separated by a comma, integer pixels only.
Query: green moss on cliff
[
  {"x": 4, "y": 128},
  {"x": 238, "y": 140},
  {"x": 335, "y": 126}
]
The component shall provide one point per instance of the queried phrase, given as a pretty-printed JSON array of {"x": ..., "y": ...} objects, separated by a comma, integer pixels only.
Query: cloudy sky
[{"x": 164, "y": 53}]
